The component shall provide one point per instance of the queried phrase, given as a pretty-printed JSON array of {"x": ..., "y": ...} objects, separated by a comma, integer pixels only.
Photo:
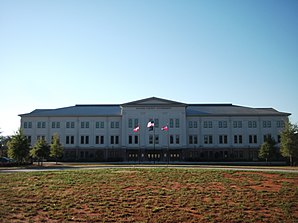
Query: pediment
[{"x": 153, "y": 101}]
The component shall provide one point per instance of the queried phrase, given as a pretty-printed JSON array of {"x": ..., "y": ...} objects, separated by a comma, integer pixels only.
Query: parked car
[{"x": 6, "y": 160}]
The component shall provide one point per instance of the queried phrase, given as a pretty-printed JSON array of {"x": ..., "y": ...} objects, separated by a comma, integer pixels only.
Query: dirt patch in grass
[{"x": 149, "y": 195}]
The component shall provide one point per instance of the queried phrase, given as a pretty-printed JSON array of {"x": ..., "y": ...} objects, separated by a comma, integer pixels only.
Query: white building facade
[{"x": 194, "y": 132}]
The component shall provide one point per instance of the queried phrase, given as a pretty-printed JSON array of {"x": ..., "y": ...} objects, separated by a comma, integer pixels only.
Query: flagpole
[
  {"x": 168, "y": 155},
  {"x": 154, "y": 143},
  {"x": 139, "y": 139}
]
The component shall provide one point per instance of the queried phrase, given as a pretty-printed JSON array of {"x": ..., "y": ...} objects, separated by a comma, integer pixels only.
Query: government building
[{"x": 156, "y": 130}]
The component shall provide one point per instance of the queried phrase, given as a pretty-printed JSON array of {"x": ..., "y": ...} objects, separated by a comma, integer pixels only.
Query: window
[
  {"x": 267, "y": 137},
  {"x": 114, "y": 140},
  {"x": 177, "y": 124},
  {"x": 130, "y": 139},
  {"x": 190, "y": 124},
  {"x": 238, "y": 139},
  {"x": 207, "y": 124},
  {"x": 55, "y": 125},
  {"x": 97, "y": 125},
  {"x": 280, "y": 124},
  {"x": 156, "y": 123},
  {"x": 177, "y": 139},
  {"x": 252, "y": 124},
  {"x": 136, "y": 122},
  {"x": 278, "y": 138},
  {"x": 171, "y": 123},
  {"x": 27, "y": 125},
  {"x": 222, "y": 124},
  {"x": 223, "y": 139},
  {"x": 117, "y": 125},
  {"x": 102, "y": 125},
  {"x": 84, "y": 125},
  {"x": 208, "y": 139},
  {"x": 130, "y": 123},
  {"x": 252, "y": 139},
  {"x": 99, "y": 140},
  {"x": 171, "y": 139},
  {"x": 136, "y": 139},
  {"x": 40, "y": 137},
  {"x": 237, "y": 124},
  {"x": 266, "y": 124},
  {"x": 195, "y": 124},
  {"x": 84, "y": 139},
  {"x": 156, "y": 139},
  {"x": 70, "y": 125},
  {"x": 112, "y": 125},
  {"x": 193, "y": 139},
  {"x": 29, "y": 139},
  {"x": 150, "y": 139}
]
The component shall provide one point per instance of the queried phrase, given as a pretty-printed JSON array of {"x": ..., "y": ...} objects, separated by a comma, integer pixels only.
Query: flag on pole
[
  {"x": 165, "y": 128},
  {"x": 136, "y": 129},
  {"x": 150, "y": 125}
]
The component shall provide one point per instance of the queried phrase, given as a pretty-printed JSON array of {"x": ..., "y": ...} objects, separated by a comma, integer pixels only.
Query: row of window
[
  {"x": 70, "y": 125},
  {"x": 173, "y": 139},
  {"x": 173, "y": 122},
  {"x": 236, "y": 124}
]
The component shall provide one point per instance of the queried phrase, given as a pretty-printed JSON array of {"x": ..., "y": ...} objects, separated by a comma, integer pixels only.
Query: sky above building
[{"x": 58, "y": 53}]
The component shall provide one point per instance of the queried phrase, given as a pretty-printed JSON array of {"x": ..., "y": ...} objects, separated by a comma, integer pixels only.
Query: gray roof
[
  {"x": 191, "y": 109},
  {"x": 78, "y": 110},
  {"x": 230, "y": 110}
]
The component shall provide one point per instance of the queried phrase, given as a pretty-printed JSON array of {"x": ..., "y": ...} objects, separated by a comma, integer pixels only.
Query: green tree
[
  {"x": 267, "y": 150},
  {"x": 289, "y": 142},
  {"x": 56, "y": 150},
  {"x": 18, "y": 147},
  {"x": 40, "y": 151}
]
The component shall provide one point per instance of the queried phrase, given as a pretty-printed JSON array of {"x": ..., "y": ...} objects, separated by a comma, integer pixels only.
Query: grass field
[{"x": 149, "y": 195}]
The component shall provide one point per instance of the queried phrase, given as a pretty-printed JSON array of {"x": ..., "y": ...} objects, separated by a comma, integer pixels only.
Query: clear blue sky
[{"x": 58, "y": 53}]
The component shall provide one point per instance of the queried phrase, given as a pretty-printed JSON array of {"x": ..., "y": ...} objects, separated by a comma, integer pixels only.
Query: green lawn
[{"x": 148, "y": 195}]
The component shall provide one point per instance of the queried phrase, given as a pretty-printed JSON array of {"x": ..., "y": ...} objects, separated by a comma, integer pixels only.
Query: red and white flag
[
  {"x": 165, "y": 128},
  {"x": 136, "y": 129}
]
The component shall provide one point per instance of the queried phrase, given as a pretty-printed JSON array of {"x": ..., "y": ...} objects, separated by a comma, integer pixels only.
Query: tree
[
  {"x": 40, "y": 150},
  {"x": 56, "y": 150},
  {"x": 289, "y": 142},
  {"x": 267, "y": 149},
  {"x": 18, "y": 147}
]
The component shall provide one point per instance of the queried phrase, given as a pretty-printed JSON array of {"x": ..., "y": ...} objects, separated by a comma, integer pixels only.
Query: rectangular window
[
  {"x": 38, "y": 125},
  {"x": 82, "y": 125},
  {"x": 136, "y": 122},
  {"x": 171, "y": 139},
  {"x": 130, "y": 139},
  {"x": 87, "y": 125},
  {"x": 223, "y": 139},
  {"x": 136, "y": 139},
  {"x": 67, "y": 141},
  {"x": 177, "y": 139},
  {"x": 280, "y": 124},
  {"x": 25, "y": 125},
  {"x": 207, "y": 124},
  {"x": 112, "y": 140},
  {"x": 117, "y": 125},
  {"x": 130, "y": 123},
  {"x": 177, "y": 124},
  {"x": 29, "y": 125},
  {"x": 112, "y": 125},
  {"x": 29, "y": 139},
  {"x": 43, "y": 125},
  {"x": 237, "y": 124},
  {"x": 102, "y": 140},
  {"x": 171, "y": 123},
  {"x": 252, "y": 124},
  {"x": 72, "y": 125},
  {"x": 208, "y": 139},
  {"x": 82, "y": 140},
  {"x": 102, "y": 125},
  {"x": 195, "y": 124},
  {"x": 156, "y": 139},
  {"x": 150, "y": 139},
  {"x": 87, "y": 139},
  {"x": 156, "y": 123},
  {"x": 97, "y": 125},
  {"x": 190, "y": 124},
  {"x": 116, "y": 139},
  {"x": 252, "y": 139},
  {"x": 96, "y": 139},
  {"x": 190, "y": 140},
  {"x": 195, "y": 139}
]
